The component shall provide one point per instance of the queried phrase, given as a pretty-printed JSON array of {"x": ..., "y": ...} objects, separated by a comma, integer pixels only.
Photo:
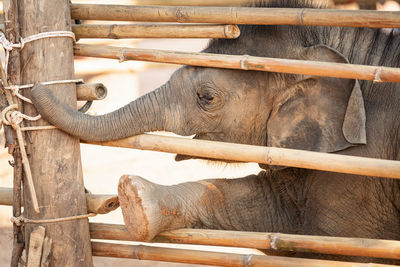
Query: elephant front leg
[{"x": 250, "y": 203}]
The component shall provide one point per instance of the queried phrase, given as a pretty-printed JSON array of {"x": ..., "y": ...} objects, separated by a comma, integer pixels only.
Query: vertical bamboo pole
[{"x": 53, "y": 155}]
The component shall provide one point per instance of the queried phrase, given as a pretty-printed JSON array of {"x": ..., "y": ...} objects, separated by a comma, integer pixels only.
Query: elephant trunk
[{"x": 142, "y": 115}]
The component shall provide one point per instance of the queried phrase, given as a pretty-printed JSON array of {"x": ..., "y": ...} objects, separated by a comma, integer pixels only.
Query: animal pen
[{"x": 40, "y": 43}]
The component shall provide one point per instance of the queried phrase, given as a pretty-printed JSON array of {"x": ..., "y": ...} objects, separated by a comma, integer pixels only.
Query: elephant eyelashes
[
  {"x": 207, "y": 97},
  {"x": 209, "y": 100}
]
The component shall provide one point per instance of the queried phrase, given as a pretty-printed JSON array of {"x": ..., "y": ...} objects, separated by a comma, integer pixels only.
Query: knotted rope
[{"x": 10, "y": 115}]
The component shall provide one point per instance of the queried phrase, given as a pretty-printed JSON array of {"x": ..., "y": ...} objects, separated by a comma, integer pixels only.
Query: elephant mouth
[{"x": 180, "y": 157}]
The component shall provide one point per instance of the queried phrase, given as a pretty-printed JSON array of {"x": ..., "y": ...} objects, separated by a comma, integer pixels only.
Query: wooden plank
[
  {"x": 271, "y": 241},
  {"x": 239, "y": 15},
  {"x": 120, "y": 31},
  {"x": 141, "y": 252},
  {"x": 260, "y": 154},
  {"x": 337, "y": 70},
  {"x": 35, "y": 246},
  {"x": 45, "y": 260},
  {"x": 53, "y": 155}
]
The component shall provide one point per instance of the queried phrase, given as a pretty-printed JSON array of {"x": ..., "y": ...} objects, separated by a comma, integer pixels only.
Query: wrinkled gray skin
[{"x": 274, "y": 109}]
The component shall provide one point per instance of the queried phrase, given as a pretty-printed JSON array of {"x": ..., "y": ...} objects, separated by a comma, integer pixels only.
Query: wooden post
[{"x": 53, "y": 155}]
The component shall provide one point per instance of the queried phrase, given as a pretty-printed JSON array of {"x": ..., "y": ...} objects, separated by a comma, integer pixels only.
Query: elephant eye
[
  {"x": 209, "y": 99},
  {"x": 205, "y": 97}
]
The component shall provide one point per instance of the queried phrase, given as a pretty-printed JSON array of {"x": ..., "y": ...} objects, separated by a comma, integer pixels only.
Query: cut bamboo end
[
  {"x": 260, "y": 154},
  {"x": 99, "y": 204},
  {"x": 141, "y": 252},
  {"x": 329, "y": 69},
  {"x": 90, "y": 91},
  {"x": 102, "y": 204},
  {"x": 121, "y": 31},
  {"x": 238, "y": 15},
  {"x": 272, "y": 241}
]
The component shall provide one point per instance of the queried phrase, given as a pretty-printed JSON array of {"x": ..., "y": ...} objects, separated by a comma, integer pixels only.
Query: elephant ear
[{"x": 318, "y": 113}]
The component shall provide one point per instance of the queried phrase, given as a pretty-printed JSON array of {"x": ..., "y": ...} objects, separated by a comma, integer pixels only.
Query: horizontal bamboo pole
[
  {"x": 337, "y": 70},
  {"x": 272, "y": 241},
  {"x": 190, "y": 2},
  {"x": 239, "y": 15},
  {"x": 141, "y": 252},
  {"x": 99, "y": 204},
  {"x": 261, "y": 154},
  {"x": 91, "y": 91},
  {"x": 205, "y": 2},
  {"x": 119, "y": 31}
]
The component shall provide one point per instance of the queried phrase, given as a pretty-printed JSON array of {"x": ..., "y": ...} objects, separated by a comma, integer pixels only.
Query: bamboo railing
[
  {"x": 99, "y": 204},
  {"x": 272, "y": 241},
  {"x": 261, "y": 154},
  {"x": 119, "y": 31},
  {"x": 238, "y": 15},
  {"x": 337, "y": 70},
  {"x": 141, "y": 252}
]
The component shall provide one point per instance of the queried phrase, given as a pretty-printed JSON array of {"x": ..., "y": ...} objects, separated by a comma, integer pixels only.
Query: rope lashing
[
  {"x": 15, "y": 88},
  {"x": 19, "y": 221},
  {"x": 10, "y": 115}
]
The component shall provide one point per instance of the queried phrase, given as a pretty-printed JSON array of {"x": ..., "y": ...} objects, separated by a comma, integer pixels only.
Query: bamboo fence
[
  {"x": 119, "y": 31},
  {"x": 329, "y": 69},
  {"x": 99, "y": 204},
  {"x": 238, "y": 15},
  {"x": 261, "y": 154},
  {"x": 141, "y": 252},
  {"x": 271, "y": 241}
]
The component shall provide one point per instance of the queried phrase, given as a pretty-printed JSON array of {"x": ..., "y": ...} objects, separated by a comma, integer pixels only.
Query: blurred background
[{"x": 102, "y": 166}]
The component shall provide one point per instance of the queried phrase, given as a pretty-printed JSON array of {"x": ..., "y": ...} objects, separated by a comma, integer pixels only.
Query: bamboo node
[
  {"x": 377, "y": 75},
  {"x": 180, "y": 15},
  {"x": 274, "y": 242},
  {"x": 244, "y": 65},
  {"x": 301, "y": 16},
  {"x": 247, "y": 260},
  {"x": 122, "y": 57}
]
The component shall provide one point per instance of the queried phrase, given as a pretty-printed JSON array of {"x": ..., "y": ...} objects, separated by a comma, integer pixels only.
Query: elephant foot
[{"x": 148, "y": 208}]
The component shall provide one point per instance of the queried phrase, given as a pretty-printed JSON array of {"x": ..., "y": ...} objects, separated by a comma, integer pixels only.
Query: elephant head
[{"x": 260, "y": 108}]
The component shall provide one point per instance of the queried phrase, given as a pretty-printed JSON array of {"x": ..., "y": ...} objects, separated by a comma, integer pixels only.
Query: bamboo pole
[
  {"x": 99, "y": 204},
  {"x": 239, "y": 15},
  {"x": 223, "y": 2},
  {"x": 272, "y": 241},
  {"x": 141, "y": 252},
  {"x": 190, "y": 2},
  {"x": 90, "y": 91},
  {"x": 261, "y": 154},
  {"x": 329, "y": 69},
  {"x": 119, "y": 31}
]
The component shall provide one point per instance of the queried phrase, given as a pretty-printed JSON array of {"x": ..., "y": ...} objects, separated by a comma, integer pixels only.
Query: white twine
[
  {"x": 15, "y": 88},
  {"x": 9, "y": 46}
]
